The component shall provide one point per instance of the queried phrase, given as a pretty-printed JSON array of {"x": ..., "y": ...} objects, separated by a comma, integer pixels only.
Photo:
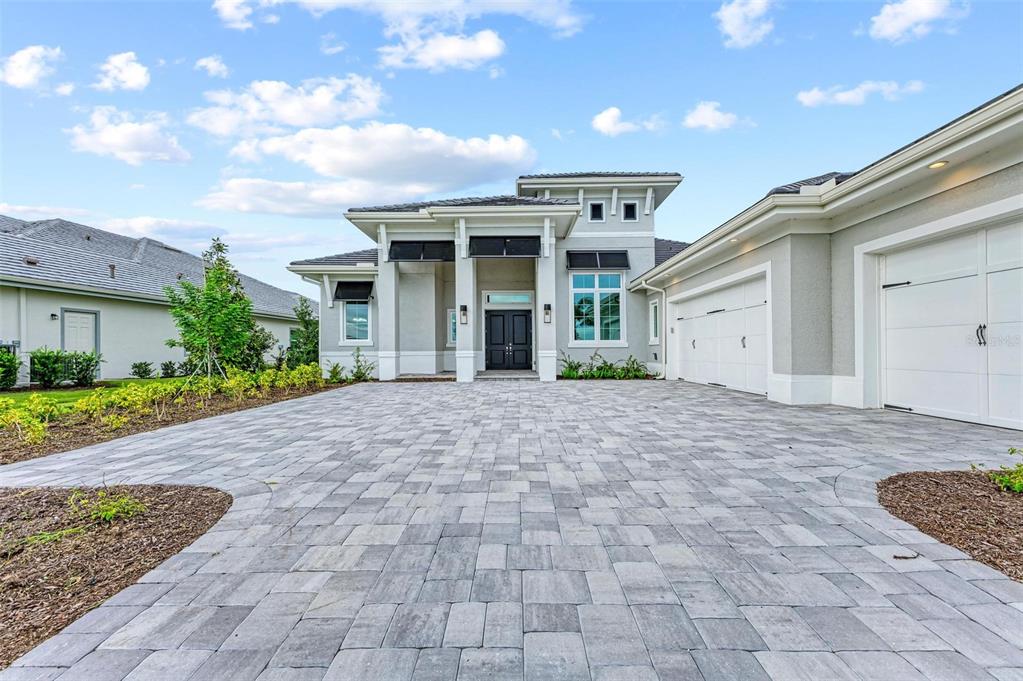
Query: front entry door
[{"x": 509, "y": 339}]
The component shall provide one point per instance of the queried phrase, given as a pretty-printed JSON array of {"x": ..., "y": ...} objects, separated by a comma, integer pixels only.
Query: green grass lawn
[{"x": 68, "y": 396}]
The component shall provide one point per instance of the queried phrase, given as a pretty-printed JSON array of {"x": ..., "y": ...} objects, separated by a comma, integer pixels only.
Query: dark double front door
[{"x": 509, "y": 339}]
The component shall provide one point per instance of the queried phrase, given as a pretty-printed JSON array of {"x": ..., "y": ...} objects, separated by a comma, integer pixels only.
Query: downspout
[{"x": 662, "y": 308}]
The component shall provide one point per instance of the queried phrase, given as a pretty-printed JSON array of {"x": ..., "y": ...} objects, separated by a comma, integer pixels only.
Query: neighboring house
[
  {"x": 78, "y": 288},
  {"x": 498, "y": 283},
  {"x": 899, "y": 285}
]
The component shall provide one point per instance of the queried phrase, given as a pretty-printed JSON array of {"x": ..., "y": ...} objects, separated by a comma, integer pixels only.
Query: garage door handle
[
  {"x": 694, "y": 344},
  {"x": 743, "y": 341},
  {"x": 900, "y": 283},
  {"x": 980, "y": 341},
  {"x": 983, "y": 334}
]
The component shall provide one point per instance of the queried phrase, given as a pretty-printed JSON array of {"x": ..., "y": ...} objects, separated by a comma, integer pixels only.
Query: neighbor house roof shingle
[
  {"x": 75, "y": 255},
  {"x": 663, "y": 249},
  {"x": 467, "y": 201}
]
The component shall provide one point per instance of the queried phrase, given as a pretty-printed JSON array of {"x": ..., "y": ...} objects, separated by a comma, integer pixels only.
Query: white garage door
[
  {"x": 722, "y": 337},
  {"x": 953, "y": 319}
]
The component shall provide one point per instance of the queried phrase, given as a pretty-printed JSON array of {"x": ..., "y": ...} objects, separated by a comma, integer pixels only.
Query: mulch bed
[
  {"x": 46, "y": 586},
  {"x": 75, "y": 430},
  {"x": 963, "y": 509}
]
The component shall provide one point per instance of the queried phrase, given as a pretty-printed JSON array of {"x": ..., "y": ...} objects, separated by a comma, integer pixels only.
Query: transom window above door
[{"x": 597, "y": 307}]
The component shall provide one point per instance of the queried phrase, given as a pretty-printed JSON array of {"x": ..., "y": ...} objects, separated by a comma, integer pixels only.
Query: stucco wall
[
  {"x": 995, "y": 186},
  {"x": 128, "y": 331}
]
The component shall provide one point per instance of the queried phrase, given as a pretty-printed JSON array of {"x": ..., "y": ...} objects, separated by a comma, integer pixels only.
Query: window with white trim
[
  {"x": 452, "y": 326},
  {"x": 355, "y": 322},
  {"x": 597, "y": 300},
  {"x": 655, "y": 322},
  {"x": 596, "y": 211},
  {"x": 630, "y": 211}
]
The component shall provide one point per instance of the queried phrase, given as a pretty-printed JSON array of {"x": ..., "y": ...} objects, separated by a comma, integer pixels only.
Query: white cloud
[
  {"x": 265, "y": 105},
  {"x": 64, "y": 89},
  {"x": 235, "y": 14},
  {"x": 303, "y": 199},
  {"x": 856, "y": 96},
  {"x": 214, "y": 66},
  {"x": 118, "y": 134},
  {"x": 30, "y": 66},
  {"x": 37, "y": 212},
  {"x": 165, "y": 229},
  {"x": 709, "y": 116},
  {"x": 439, "y": 52},
  {"x": 744, "y": 23},
  {"x": 905, "y": 20},
  {"x": 609, "y": 122},
  {"x": 398, "y": 154},
  {"x": 329, "y": 44},
  {"x": 122, "y": 72}
]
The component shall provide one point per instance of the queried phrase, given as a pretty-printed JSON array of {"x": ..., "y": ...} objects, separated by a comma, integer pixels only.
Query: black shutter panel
[
  {"x": 353, "y": 290},
  {"x": 405, "y": 250},
  {"x": 528, "y": 246},
  {"x": 613, "y": 260},
  {"x": 486, "y": 246},
  {"x": 443, "y": 251},
  {"x": 582, "y": 260}
]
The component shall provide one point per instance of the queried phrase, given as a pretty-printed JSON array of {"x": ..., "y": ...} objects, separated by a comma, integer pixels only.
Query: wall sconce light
[
  {"x": 463, "y": 314},
  {"x": 546, "y": 313},
  {"x": 53, "y": 316}
]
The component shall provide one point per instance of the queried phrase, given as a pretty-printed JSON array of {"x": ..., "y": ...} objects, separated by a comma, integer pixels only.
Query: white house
[
  {"x": 899, "y": 285},
  {"x": 69, "y": 286}
]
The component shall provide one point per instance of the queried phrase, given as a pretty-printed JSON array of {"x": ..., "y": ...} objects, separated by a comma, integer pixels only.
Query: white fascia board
[
  {"x": 333, "y": 269},
  {"x": 999, "y": 117},
  {"x": 606, "y": 181},
  {"x": 506, "y": 211}
]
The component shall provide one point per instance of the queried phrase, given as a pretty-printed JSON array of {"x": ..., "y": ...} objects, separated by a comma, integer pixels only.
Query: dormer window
[
  {"x": 630, "y": 211},
  {"x": 596, "y": 211}
]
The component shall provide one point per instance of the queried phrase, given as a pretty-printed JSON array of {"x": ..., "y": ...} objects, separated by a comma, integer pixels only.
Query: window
[
  {"x": 452, "y": 326},
  {"x": 355, "y": 321},
  {"x": 510, "y": 298},
  {"x": 655, "y": 322},
  {"x": 596, "y": 211},
  {"x": 630, "y": 211},
  {"x": 597, "y": 307}
]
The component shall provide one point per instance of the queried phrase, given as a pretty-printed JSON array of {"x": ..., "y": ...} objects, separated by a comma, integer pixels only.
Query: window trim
[
  {"x": 603, "y": 211},
  {"x": 452, "y": 316},
  {"x": 633, "y": 202},
  {"x": 622, "y": 342},
  {"x": 654, "y": 322},
  {"x": 369, "y": 324}
]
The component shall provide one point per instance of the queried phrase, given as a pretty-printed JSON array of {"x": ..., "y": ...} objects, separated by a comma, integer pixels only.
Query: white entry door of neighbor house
[
  {"x": 722, "y": 337},
  {"x": 80, "y": 331},
  {"x": 953, "y": 320}
]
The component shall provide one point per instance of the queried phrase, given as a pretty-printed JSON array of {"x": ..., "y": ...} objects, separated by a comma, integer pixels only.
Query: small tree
[
  {"x": 214, "y": 320},
  {"x": 305, "y": 340}
]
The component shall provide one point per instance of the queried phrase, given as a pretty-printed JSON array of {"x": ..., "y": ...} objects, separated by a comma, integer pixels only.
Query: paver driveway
[{"x": 502, "y": 530}]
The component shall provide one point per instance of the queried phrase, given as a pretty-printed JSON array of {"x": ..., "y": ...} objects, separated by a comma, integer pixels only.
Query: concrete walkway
[{"x": 509, "y": 530}]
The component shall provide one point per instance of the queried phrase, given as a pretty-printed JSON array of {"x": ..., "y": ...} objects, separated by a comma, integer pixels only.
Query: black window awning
[
  {"x": 353, "y": 290},
  {"x": 598, "y": 260},
  {"x": 504, "y": 247},
  {"x": 419, "y": 251}
]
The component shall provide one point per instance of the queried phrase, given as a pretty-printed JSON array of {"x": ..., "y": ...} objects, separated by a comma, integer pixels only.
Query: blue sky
[{"x": 262, "y": 120}]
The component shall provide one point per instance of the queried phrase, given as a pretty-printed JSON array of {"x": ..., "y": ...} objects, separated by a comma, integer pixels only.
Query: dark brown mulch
[
  {"x": 46, "y": 586},
  {"x": 963, "y": 509},
  {"x": 74, "y": 431}
]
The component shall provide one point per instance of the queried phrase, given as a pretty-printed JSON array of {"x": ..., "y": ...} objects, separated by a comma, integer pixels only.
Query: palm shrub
[
  {"x": 571, "y": 368},
  {"x": 82, "y": 368},
  {"x": 10, "y": 365},
  {"x": 46, "y": 366}
]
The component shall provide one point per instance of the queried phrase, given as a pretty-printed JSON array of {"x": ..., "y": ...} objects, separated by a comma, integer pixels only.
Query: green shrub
[
  {"x": 46, "y": 366},
  {"x": 103, "y": 506},
  {"x": 10, "y": 365},
  {"x": 571, "y": 368},
  {"x": 168, "y": 369},
  {"x": 336, "y": 373},
  {"x": 632, "y": 368},
  {"x": 362, "y": 369},
  {"x": 599, "y": 368},
  {"x": 1009, "y": 478},
  {"x": 142, "y": 369},
  {"x": 82, "y": 368},
  {"x": 29, "y": 421}
]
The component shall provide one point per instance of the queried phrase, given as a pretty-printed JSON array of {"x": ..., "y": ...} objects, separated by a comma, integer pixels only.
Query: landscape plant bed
[
  {"x": 59, "y": 560},
  {"x": 78, "y": 430},
  {"x": 964, "y": 509}
]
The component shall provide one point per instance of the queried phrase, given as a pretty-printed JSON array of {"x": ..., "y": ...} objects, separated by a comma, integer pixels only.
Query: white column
[
  {"x": 546, "y": 332},
  {"x": 387, "y": 320},
  {"x": 465, "y": 297}
]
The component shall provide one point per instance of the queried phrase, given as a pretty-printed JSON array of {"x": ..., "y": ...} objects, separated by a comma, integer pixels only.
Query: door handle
[
  {"x": 694, "y": 344},
  {"x": 983, "y": 334},
  {"x": 743, "y": 341},
  {"x": 980, "y": 341}
]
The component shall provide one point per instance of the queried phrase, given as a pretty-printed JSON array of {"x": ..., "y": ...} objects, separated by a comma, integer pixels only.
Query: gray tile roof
[
  {"x": 598, "y": 173},
  {"x": 663, "y": 249},
  {"x": 793, "y": 187},
  {"x": 467, "y": 201},
  {"x": 76, "y": 255},
  {"x": 666, "y": 248}
]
